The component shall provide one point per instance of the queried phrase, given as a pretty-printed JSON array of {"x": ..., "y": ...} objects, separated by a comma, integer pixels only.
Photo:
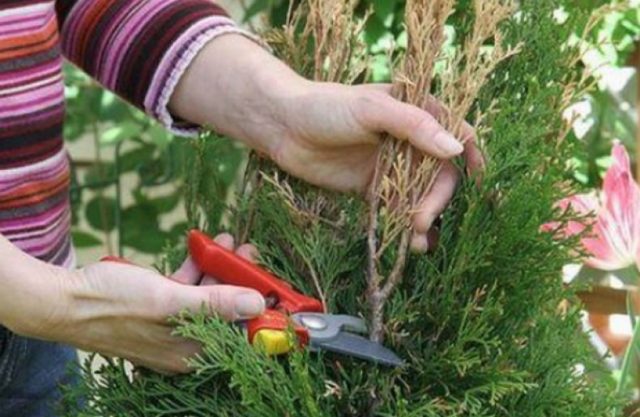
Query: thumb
[
  {"x": 229, "y": 302},
  {"x": 382, "y": 113}
]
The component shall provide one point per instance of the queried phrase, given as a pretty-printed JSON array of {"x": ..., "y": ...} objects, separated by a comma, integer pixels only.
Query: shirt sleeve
[{"x": 140, "y": 48}]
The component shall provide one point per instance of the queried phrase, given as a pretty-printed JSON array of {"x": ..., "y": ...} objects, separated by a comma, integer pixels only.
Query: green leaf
[
  {"x": 384, "y": 8},
  {"x": 256, "y": 8},
  {"x": 100, "y": 213},
  {"x": 75, "y": 126},
  {"x": 100, "y": 176},
  {"x": 135, "y": 158},
  {"x": 179, "y": 230},
  {"x": 141, "y": 229},
  {"x": 167, "y": 203},
  {"x": 161, "y": 205},
  {"x": 380, "y": 71},
  {"x": 84, "y": 239},
  {"x": 160, "y": 136},
  {"x": 126, "y": 130},
  {"x": 375, "y": 30},
  {"x": 116, "y": 110}
]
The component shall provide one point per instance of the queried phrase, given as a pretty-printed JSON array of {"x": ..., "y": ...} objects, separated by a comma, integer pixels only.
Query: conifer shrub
[{"x": 483, "y": 321}]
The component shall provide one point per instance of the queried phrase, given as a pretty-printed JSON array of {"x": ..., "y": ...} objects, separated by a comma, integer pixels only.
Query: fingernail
[
  {"x": 249, "y": 304},
  {"x": 449, "y": 144}
]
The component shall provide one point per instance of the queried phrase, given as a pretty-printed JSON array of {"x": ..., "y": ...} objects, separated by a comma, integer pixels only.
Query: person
[{"x": 187, "y": 65}]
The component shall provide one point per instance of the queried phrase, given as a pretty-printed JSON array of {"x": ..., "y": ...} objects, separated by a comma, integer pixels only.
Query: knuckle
[
  {"x": 179, "y": 365},
  {"x": 366, "y": 105},
  {"x": 215, "y": 299},
  {"x": 161, "y": 303},
  {"x": 217, "y": 302},
  {"x": 369, "y": 98},
  {"x": 424, "y": 123},
  {"x": 278, "y": 153}
]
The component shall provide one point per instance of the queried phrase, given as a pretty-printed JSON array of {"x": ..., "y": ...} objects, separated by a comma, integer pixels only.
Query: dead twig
[{"x": 405, "y": 178}]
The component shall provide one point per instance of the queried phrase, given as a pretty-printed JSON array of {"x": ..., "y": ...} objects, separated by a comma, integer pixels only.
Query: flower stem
[{"x": 628, "y": 356}]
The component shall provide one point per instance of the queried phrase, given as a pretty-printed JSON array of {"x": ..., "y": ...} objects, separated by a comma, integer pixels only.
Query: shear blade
[{"x": 359, "y": 347}]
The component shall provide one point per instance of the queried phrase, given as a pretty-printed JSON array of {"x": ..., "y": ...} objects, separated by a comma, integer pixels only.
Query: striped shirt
[{"x": 137, "y": 48}]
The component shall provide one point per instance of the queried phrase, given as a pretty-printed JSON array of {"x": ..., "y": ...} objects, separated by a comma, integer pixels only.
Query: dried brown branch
[
  {"x": 404, "y": 176},
  {"x": 331, "y": 31},
  {"x": 328, "y": 28}
]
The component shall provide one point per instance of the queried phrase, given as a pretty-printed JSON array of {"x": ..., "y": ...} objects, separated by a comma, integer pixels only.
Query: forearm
[
  {"x": 237, "y": 88},
  {"x": 30, "y": 290}
]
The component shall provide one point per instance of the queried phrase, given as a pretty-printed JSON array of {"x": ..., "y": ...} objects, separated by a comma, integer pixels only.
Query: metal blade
[{"x": 359, "y": 347}]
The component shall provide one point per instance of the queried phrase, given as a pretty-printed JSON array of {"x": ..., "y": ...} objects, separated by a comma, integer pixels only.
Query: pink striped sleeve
[{"x": 141, "y": 48}]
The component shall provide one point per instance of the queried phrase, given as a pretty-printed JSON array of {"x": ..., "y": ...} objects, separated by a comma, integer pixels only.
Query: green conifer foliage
[{"x": 479, "y": 321}]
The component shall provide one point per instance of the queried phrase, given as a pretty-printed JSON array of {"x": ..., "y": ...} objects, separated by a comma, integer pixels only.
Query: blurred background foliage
[{"x": 130, "y": 174}]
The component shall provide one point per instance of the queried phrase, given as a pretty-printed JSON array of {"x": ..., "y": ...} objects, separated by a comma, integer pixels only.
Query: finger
[
  {"x": 437, "y": 199},
  {"x": 170, "y": 356},
  {"x": 209, "y": 280},
  {"x": 177, "y": 361},
  {"x": 248, "y": 252},
  {"x": 438, "y": 109},
  {"x": 475, "y": 159},
  {"x": 382, "y": 87},
  {"x": 380, "y": 112},
  {"x": 419, "y": 243},
  {"x": 187, "y": 274},
  {"x": 225, "y": 240},
  {"x": 231, "y": 303},
  {"x": 473, "y": 156}
]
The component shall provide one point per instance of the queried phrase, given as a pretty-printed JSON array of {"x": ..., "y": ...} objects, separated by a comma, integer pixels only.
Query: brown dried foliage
[
  {"x": 322, "y": 41},
  {"x": 403, "y": 177}
]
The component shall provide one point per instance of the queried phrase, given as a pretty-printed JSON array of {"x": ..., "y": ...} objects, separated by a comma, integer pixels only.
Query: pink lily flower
[{"x": 614, "y": 240}]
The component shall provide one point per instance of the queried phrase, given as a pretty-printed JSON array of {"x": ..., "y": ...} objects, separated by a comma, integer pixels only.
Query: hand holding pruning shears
[
  {"x": 287, "y": 310},
  {"x": 120, "y": 309}
]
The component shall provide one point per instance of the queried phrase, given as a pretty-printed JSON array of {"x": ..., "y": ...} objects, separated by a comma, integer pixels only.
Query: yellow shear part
[{"x": 273, "y": 342}]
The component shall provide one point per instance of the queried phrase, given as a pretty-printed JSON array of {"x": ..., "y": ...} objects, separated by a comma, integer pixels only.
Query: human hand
[
  {"x": 330, "y": 136},
  {"x": 121, "y": 310},
  {"x": 327, "y": 134}
]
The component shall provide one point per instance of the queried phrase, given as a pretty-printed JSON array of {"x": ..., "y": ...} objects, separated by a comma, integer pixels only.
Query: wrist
[
  {"x": 270, "y": 113},
  {"x": 37, "y": 301},
  {"x": 239, "y": 89}
]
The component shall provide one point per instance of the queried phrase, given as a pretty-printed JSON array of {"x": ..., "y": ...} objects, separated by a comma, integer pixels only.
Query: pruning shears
[{"x": 287, "y": 309}]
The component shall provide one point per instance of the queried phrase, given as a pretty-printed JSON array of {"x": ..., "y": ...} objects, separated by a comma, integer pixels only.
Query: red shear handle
[{"x": 229, "y": 268}]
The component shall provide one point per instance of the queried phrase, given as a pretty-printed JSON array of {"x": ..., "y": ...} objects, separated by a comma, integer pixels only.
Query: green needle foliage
[{"x": 482, "y": 322}]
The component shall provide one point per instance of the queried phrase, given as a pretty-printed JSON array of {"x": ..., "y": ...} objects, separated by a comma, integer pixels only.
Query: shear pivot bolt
[{"x": 313, "y": 322}]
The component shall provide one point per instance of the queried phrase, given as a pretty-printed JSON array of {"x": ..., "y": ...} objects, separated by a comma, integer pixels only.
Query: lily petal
[
  {"x": 614, "y": 241},
  {"x": 617, "y": 231},
  {"x": 581, "y": 204}
]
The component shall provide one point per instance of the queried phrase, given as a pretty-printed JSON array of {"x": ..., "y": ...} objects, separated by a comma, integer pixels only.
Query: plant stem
[
  {"x": 98, "y": 159},
  {"x": 626, "y": 363}
]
